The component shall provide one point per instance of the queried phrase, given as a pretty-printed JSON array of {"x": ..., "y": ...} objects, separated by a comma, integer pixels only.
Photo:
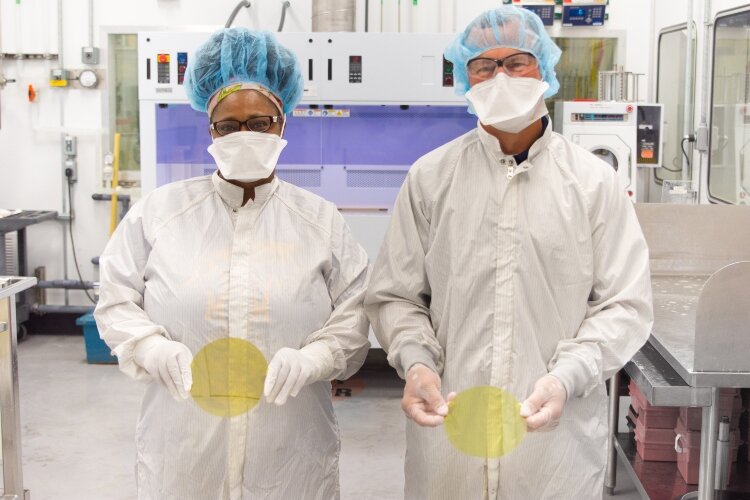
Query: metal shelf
[
  {"x": 662, "y": 480},
  {"x": 660, "y": 383}
]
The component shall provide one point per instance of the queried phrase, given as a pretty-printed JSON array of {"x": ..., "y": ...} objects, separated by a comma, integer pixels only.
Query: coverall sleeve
[
  {"x": 119, "y": 314},
  {"x": 398, "y": 298},
  {"x": 345, "y": 332},
  {"x": 619, "y": 314}
]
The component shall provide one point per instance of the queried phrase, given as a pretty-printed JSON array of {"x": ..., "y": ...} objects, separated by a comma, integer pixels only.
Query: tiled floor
[{"x": 79, "y": 421}]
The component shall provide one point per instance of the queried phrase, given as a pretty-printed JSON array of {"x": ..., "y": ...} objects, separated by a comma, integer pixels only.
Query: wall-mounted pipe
[
  {"x": 706, "y": 85},
  {"x": 55, "y": 309},
  {"x": 60, "y": 36},
  {"x": 243, "y": 4},
  {"x": 68, "y": 284},
  {"x": 91, "y": 23},
  {"x": 687, "y": 122},
  {"x": 284, "y": 7}
]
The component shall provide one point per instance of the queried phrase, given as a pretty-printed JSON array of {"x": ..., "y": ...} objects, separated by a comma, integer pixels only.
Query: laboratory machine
[
  {"x": 365, "y": 116},
  {"x": 626, "y": 135}
]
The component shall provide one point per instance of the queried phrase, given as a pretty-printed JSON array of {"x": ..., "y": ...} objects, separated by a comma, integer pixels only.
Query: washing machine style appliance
[{"x": 625, "y": 135}]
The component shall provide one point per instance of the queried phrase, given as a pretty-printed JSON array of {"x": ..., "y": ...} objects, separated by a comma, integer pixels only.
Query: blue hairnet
[
  {"x": 506, "y": 26},
  {"x": 238, "y": 55}
]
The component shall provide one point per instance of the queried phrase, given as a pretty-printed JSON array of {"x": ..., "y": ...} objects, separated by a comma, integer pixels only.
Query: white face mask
[
  {"x": 247, "y": 156},
  {"x": 508, "y": 104}
]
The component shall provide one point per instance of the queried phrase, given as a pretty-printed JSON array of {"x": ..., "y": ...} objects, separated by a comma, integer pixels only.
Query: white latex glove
[
  {"x": 422, "y": 401},
  {"x": 168, "y": 363},
  {"x": 292, "y": 369},
  {"x": 543, "y": 408}
]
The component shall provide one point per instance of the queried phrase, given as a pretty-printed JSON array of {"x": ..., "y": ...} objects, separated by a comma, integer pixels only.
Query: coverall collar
[
  {"x": 232, "y": 195},
  {"x": 492, "y": 145}
]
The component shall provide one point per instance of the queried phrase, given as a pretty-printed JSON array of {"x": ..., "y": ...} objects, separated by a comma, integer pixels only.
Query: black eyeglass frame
[
  {"x": 246, "y": 123},
  {"x": 500, "y": 62}
]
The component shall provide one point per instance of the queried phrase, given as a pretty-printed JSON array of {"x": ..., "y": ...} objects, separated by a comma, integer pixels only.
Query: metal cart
[{"x": 18, "y": 223}]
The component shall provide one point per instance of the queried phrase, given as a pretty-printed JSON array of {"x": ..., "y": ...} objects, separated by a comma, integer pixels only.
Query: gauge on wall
[{"x": 88, "y": 79}]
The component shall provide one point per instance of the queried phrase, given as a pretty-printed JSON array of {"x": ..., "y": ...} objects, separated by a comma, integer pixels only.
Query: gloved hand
[
  {"x": 422, "y": 401},
  {"x": 168, "y": 363},
  {"x": 543, "y": 408},
  {"x": 292, "y": 369}
]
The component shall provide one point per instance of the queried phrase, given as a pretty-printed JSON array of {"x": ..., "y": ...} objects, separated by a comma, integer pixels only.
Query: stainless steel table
[
  {"x": 700, "y": 264},
  {"x": 699, "y": 343},
  {"x": 10, "y": 415}
]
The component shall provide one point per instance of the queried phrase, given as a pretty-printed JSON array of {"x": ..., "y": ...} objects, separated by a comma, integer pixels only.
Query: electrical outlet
[
  {"x": 69, "y": 146},
  {"x": 70, "y": 169},
  {"x": 90, "y": 55}
]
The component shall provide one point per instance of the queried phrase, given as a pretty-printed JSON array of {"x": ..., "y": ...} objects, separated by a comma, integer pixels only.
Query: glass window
[
  {"x": 670, "y": 91},
  {"x": 729, "y": 169},
  {"x": 123, "y": 105},
  {"x": 578, "y": 70}
]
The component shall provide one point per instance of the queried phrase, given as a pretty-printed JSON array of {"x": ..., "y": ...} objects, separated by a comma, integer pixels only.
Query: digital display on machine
[
  {"x": 182, "y": 59},
  {"x": 162, "y": 68},
  {"x": 447, "y": 73},
  {"x": 598, "y": 117},
  {"x": 355, "y": 69},
  {"x": 648, "y": 139},
  {"x": 545, "y": 12},
  {"x": 585, "y": 15}
]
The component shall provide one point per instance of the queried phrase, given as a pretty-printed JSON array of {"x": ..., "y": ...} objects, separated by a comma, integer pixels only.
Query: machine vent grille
[
  {"x": 375, "y": 178},
  {"x": 301, "y": 178},
  {"x": 10, "y": 242}
]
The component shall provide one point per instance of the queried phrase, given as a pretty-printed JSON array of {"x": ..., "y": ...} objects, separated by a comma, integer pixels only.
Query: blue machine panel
[
  {"x": 583, "y": 15},
  {"x": 357, "y": 160},
  {"x": 545, "y": 12}
]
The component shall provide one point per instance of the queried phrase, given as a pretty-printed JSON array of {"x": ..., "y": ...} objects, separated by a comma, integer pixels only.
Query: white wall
[{"x": 30, "y": 159}]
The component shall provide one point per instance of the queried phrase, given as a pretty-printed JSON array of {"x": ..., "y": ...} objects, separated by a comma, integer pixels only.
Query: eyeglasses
[
  {"x": 514, "y": 65},
  {"x": 253, "y": 124}
]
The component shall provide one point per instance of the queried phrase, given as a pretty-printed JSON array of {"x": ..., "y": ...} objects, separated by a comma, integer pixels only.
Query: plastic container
[
  {"x": 690, "y": 442},
  {"x": 637, "y": 399},
  {"x": 96, "y": 350},
  {"x": 729, "y": 405},
  {"x": 655, "y": 445},
  {"x": 688, "y": 464},
  {"x": 653, "y": 417}
]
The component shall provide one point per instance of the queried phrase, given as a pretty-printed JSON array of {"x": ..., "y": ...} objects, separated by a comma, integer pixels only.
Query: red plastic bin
[{"x": 655, "y": 445}]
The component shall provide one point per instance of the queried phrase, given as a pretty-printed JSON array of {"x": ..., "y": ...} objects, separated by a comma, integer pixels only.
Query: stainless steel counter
[
  {"x": 700, "y": 260},
  {"x": 674, "y": 333}
]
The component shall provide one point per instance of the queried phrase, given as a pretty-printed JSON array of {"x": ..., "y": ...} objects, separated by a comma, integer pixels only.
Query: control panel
[
  {"x": 648, "y": 135},
  {"x": 182, "y": 60},
  {"x": 447, "y": 73},
  {"x": 598, "y": 117},
  {"x": 355, "y": 69},
  {"x": 545, "y": 12},
  {"x": 162, "y": 68},
  {"x": 583, "y": 15},
  {"x": 341, "y": 67}
]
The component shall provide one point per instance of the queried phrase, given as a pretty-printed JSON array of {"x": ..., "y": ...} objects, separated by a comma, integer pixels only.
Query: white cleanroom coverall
[
  {"x": 192, "y": 264},
  {"x": 497, "y": 274}
]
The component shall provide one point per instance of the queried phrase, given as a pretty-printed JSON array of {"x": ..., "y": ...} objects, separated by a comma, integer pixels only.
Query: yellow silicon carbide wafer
[
  {"x": 485, "y": 422},
  {"x": 228, "y": 377}
]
